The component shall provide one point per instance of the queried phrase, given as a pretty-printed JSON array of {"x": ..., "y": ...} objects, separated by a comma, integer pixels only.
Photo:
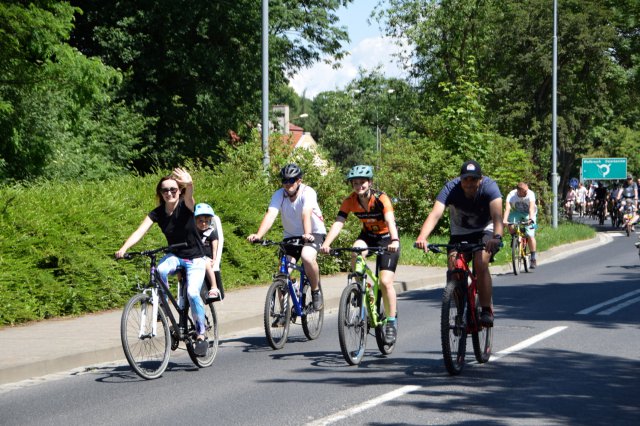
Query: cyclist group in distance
[{"x": 614, "y": 199}]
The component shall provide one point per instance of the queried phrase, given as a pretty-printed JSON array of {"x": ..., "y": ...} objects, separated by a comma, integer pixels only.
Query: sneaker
[
  {"x": 390, "y": 332},
  {"x": 534, "y": 264},
  {"x": 201, "y": 347},
  {"x": 486, "y": 318},
  {"x": 214, "y": 294},
  {"x": 318, "y": 302},
  {"x": 278, "y": 322}
]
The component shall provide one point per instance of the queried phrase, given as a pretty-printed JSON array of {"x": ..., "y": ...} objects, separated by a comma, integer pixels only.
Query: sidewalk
[{"x": 52, "y": 346}]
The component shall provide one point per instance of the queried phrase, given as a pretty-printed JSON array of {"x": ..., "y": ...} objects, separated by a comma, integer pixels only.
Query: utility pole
[
  {"x": 554, "y": 113},
  {"x": 265, "y": 85}
]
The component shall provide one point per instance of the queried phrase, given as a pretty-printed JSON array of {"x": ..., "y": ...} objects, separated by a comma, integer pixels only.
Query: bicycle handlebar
[
  {"x": 278, "y": 243},
  {"x": 459, "y": 247},
  {"x": 172, "y": 247},
  {"x": 338, "y": 250},
  {"x": 524, "y": 223}
]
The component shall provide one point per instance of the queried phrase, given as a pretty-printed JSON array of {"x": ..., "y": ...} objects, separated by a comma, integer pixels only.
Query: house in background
[{"x": 296, "y": 136}]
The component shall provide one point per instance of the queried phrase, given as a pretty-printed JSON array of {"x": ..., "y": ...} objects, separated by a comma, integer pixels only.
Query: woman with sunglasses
[
  {"x": 175, "y": 217},
  {"x": 301, "y": 219}
]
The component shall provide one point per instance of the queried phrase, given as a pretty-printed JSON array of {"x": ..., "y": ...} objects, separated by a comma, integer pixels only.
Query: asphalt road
[{"x": 566, "y": 345}]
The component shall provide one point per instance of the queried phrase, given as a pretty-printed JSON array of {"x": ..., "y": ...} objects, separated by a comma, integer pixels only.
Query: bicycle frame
[
  {"x": 286, "y": 266},
  {"x": 467, "y": 278},
  {"x": 362, "y": 271},
  {"x": 159, "y": 293}
]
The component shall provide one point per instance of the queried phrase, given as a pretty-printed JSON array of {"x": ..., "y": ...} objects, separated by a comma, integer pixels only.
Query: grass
[{"x": 546, "y": 237}]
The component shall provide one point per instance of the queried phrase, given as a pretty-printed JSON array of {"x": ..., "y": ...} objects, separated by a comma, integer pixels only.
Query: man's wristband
[{"x": 395, "y": 239}]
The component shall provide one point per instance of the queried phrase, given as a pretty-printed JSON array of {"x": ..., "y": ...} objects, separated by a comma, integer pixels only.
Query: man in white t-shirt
[
  {"x": 521, "y": 206},
  {"x": 301, "y": 218},
  {"x": 581, "y": 199}
]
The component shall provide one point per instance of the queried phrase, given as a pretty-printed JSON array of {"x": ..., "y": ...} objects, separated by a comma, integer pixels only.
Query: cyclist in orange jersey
[{"x": 375, "y": 211}]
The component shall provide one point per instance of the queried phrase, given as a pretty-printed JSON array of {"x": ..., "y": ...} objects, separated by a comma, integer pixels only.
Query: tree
[
  {"x": 511, "y": 42},
  {"x": 195, "y": 66},
  {"x": 53, "y": 98}
]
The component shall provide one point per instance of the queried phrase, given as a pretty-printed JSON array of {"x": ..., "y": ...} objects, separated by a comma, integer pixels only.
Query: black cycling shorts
[
  {"x": 387, "y": 261},
  {"x": 296, "y": 251}
]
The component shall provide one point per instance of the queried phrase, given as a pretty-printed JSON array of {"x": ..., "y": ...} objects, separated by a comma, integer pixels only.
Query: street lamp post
[
  {"x": 265, "y": 85},
  {"x": 554, "y": 135}
]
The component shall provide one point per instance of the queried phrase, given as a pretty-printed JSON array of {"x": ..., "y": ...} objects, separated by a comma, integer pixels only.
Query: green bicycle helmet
[{"x": 360, "y": 171}]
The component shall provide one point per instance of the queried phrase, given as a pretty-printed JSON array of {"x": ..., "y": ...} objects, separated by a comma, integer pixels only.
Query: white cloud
[{"x": 368, "y": 54}]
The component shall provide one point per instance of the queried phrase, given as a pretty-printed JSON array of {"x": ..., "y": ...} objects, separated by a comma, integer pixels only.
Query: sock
[
  {"x": 486, "y": 309},
  {"x": 391, "y": 319},
  {"x": 533, "y": 255}
]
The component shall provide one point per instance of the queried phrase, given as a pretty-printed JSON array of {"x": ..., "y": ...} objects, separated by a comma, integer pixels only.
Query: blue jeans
[{"x": 195, "y": 269}]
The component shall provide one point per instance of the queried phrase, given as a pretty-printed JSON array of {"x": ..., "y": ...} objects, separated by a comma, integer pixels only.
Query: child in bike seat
[{"x": 204, "y": 221}]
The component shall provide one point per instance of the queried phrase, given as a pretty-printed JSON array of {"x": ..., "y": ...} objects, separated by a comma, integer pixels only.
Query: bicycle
[
  {"x": 279, "y": 312},
  {"x": 599, "y": 211},
  {"x": 520, "y": 247},
  {"x": 460, "y": 315},
  {"x": 147, "y": 338},
  {"x": 628, "y": 213},
  {"x": 361, "y": 308}
]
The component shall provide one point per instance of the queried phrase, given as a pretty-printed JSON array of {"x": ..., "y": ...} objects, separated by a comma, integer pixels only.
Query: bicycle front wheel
[
  {"x": 312, "y": 320},
  {"x": 481, "y": 338},
  {"x": 453, "y": 329},
  {"x": 515, "y": 255},
  {"x": 211, "y": 333},
  {"x": 147, "y": 353},
  {"x": 277, "y": 313},
  {"x": 352, "y": 324}
]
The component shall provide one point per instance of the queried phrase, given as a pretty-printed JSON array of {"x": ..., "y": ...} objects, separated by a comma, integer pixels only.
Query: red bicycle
[{"x": 460, "y": 315}]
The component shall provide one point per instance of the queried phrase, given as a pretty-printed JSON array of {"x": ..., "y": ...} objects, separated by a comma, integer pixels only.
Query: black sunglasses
[
  {"x": 289, "y": 181},
  {"x": 169, "y": 190}
]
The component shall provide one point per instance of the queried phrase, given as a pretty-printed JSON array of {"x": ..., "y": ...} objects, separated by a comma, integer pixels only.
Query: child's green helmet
[{"x": 360, "y": 171}]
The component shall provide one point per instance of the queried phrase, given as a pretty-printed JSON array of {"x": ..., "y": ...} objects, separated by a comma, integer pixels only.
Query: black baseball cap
[{"x": 470, "y": 169}]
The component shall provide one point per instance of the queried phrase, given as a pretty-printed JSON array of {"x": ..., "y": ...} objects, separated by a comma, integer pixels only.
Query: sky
[{"x": 368, "y": 49}]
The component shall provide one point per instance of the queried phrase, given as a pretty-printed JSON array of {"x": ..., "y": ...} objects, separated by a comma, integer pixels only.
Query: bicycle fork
[{"x": 142, "y": 333}]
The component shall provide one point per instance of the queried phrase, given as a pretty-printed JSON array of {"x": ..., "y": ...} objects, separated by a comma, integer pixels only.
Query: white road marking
[
  {"x": 526, "y": 343},
  {"x": 608, "y": 302},
  {"x": 620, "y": 306},
  {"x": 344, "y": 414},
  {"x": 341, "y": 415}
]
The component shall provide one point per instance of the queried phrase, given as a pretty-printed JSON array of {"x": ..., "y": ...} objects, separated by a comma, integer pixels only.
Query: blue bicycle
[{"x": 288, "y": 299}]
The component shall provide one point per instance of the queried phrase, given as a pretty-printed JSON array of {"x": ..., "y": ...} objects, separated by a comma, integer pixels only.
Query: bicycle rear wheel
[
  {"x": 515, "y": 255},
  {"x": 352, "y": 324},
  {"x": 277, "y": 313},
  {"x": 312, "y": 320},
  {"x": 453, "y": 331},
  {"x": 482, "y": 338},
  {"x": 381, "y": 340},
  {"x": 211, "y": 333},
  {"x": 146, "y": 353}
]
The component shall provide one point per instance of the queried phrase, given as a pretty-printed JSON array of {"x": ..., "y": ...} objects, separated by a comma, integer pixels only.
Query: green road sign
[{"x": 604, "y": 168}]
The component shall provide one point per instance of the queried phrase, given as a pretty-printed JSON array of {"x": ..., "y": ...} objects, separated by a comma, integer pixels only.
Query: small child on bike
[{"x": 204, "y": 218}]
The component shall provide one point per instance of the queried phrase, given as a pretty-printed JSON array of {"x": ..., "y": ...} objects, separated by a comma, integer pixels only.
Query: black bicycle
[{"x": 149, "y": 330}]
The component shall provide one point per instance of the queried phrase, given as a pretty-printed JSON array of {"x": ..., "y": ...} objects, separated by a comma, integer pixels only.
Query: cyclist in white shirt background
[
  {"x": 581, "y": 199},
  {"x": 520, "y": 206}
]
